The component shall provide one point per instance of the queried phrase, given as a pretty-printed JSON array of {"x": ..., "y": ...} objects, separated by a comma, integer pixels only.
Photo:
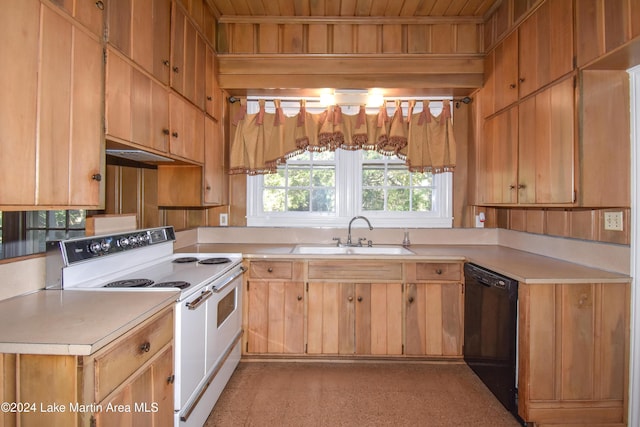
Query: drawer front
[
  {"x": 271, "y": 270},
  {"x": 128, "y": 354},
  {"x": 438, "y": 271},
  {"x": 369, "y": 271}
]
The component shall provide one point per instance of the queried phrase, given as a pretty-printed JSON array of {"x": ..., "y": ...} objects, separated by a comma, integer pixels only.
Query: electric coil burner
[
  {"x": 180, "y": 284},
  {"x": 130, "y": 283}
]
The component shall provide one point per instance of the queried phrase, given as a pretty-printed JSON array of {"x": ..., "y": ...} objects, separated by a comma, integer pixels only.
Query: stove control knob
[
  {"x": 133, "y": 240},
  {"x": 105, "y": 245},
  {"x": 141, "y": 239},
  {"x": 95, "y": 247},
  {"x": 124, "y": 242}
]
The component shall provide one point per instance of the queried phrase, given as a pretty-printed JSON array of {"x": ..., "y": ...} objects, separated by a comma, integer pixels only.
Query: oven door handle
[
  {"x": 219, "y": 288},
  {"x": 192, "y": 305}
]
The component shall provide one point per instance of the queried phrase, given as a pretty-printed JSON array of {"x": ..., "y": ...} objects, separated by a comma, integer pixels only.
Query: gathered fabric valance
[{"x": 264, "y": 140}]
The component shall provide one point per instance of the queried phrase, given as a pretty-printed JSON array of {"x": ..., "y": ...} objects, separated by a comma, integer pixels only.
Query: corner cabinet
[
  {"x": 51, "y": 119},
  {"x": 573, "y": 353},
  {"x": 127, "y": 383}
]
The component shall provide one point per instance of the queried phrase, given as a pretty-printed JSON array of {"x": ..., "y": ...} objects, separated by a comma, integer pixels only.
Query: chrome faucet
[{"x": 349, "y": 243}]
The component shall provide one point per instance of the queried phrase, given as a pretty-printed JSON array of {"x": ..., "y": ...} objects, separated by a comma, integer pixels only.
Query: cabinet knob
[
  {"x": 209, "y": 98},
  {"x": 270, "y": 270},
  {"x": 176, "y": 69},
  {"x": 512, "y": 85},
  {"x": 438, "y": 271},
  {"x": 350, "y": 298},
  {"x": 144, "y": 348},
  {"x": 100, "y": 5},
  {"x": 165, "y": 62},
  {"x": 512, "y": 187},
  {"x": 410, "y": 300},
  {"x": 165, "y": 131},
  {"x": 359, "y": 299},
  {"x": 521, "y": 79},
  {"x": 521, "y": 186},
  {"x": 299, "y": 297},
  {"x": 96, "y": 177},
  {"x": 174, "y": 134},
  {"x": 171, "y": 379}
]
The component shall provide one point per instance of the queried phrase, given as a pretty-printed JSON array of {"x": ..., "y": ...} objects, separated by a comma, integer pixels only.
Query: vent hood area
[{"x": 137, "y": 155}]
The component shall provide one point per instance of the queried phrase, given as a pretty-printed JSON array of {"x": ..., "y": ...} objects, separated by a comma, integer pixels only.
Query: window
[
  {"x": 329, "y": 188},
  {"x": 26, "y": 233}
]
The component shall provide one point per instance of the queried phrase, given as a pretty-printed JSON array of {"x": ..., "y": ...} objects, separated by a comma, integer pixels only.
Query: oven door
[
  {"x": 224, "y": 318},
  {"x": 191, "y": 347}
]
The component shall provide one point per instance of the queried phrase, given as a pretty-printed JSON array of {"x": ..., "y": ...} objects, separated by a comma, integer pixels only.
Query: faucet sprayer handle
[{"x": 337, "y": 239}]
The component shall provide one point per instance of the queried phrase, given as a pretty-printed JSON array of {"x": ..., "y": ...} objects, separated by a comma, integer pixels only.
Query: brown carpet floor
[{"x": 357, "y": 394}]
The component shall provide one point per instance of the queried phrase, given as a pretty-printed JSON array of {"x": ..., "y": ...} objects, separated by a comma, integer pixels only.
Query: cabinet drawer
[
  {"x": 438, "y": 271},
  {"x": 271, "y": 269},
  {"x": 355, "y": 270},
  {"x": 130, "y": 353}
]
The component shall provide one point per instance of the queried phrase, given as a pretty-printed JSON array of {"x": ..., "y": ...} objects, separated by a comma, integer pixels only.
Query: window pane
[
  {"x": 371, "y": 155},
  {"x": 399, "y": 200},
  {"x": 373, "y": 199},
  {"x": 373, "y": 176},
  {"x": 273, "y": 200},
  {"x": 324, "y": 200},
  {"x": 422, "y": 179},
  {"x": 324, "y": 177},
  {"x": 298, "y": 200},
  {"x": 421, "y": 199},
  {"x": 398, "y": 177},
  {"x": 299, "y": 177},
  {"x": 324, "y": 156},
  {"x": 274, "y": 179}
]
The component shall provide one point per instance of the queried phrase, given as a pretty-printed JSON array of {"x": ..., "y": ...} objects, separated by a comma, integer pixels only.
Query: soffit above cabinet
[{"x": 352, "y": 8}]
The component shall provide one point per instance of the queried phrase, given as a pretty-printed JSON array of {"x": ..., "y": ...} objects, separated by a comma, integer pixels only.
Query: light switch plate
[
  {"x": 613, "y": 221},
  {"x": 224, "y": 220}
]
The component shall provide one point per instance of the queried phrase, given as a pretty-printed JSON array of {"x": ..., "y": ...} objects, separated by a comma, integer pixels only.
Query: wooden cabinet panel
[
  {"x": 354, "y": 318},
  {"x": 506, "y": 72},
  {"x": 216, "y": 180},
  {"x": 434, "y": 319},
  {"x": 572, "y": 354},
  {"x": 119, "y": 363},
  {"x": 276, "y": 317},
  {"x": 438, "y": 271},
  {"x": 186, "y": 129},
  {"x": 499, "y": 158},
  {"x": 271, "y": 269},
  {"x": 179, "y": 185},
  {"x": 356, "y": 269},
  {"x": 188, "y": 59},
  {"x": 604, "y": 139},
  {"x": 18, "y": 85},
  {"x": 546, "y": 146},
  {"x": 118, "y": 96}
]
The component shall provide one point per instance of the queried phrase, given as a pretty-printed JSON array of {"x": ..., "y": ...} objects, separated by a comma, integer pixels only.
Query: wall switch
[
  {"x": 613, "y": 221},
  {"x": 224, "y": 220}
]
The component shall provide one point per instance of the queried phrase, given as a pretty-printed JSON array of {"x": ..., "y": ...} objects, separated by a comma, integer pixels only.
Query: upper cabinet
[
  {"x": 532, "y": 56},
  {"x": 50, "y": 111},
  {"x": 140, "y": 29}
]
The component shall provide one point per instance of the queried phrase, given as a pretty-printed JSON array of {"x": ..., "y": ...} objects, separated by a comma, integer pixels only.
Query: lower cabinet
[
  {"x": 354, "y": 318},
  {"x": 127, "y": 383},
  {"x": 275, "y": 307},
  {"x": 434, "y": 306},
  {"x": 573, "y": 350}
]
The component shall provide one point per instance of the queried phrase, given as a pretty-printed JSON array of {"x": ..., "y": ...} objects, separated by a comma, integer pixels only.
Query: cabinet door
[
  {"x": 187, "y": 129},
  {"x": 18, "y": 85},
  {"x": 546, "y": 146},
  {"x": 70, "y": 117},
  {"x": 118, "y": 97},
  {"x": 434, "y": 320},
  {"x": 498, "y": 159},
  {"x": 573, "y": 342},
  {"x": 216, "y": 180},
  {"x": 506, "y": 72},
  {"x": 149, "y": 112},
  {"x": 528, "y": 58},
  {"x": 275, "y": 317},
  {"x": 354, "y": 318},
  {"x": 178, "y": 49},
  {"x": 212, "y": 99}
]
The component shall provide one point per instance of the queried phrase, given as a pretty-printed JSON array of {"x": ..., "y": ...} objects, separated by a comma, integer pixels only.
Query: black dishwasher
[{"x": 490, "y": 331}]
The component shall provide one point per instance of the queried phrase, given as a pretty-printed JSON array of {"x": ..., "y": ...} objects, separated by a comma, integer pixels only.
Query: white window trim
[{"x": 347, "y": 203}]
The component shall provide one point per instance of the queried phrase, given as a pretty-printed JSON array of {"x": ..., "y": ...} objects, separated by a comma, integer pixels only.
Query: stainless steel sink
[{"x": 350, "y": 250}]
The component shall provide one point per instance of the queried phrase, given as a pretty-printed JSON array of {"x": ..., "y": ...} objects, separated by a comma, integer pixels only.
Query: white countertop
[
  {"x": 522, "y": 266},
  {"x": 66, "y": 322}
]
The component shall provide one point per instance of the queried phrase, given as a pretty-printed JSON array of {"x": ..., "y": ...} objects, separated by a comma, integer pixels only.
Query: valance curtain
[{"x": 264, "y": 140}]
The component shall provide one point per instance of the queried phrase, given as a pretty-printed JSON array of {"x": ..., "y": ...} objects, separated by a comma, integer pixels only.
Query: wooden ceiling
[{"x": 352, "y": 8}]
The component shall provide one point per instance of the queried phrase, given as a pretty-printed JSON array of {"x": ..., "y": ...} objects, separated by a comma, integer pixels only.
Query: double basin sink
[{"x": 351, "y": 250}]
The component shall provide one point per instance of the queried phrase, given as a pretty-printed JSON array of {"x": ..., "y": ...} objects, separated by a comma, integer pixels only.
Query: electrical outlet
[
  {"x": 224, "y": 220},
  {"x": 613, "y": 221}
]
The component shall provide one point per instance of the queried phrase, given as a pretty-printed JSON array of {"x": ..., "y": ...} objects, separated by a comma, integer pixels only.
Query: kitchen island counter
[
  {"x": 520, "y": 265},
  {"x": 66, "y": 322}
]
